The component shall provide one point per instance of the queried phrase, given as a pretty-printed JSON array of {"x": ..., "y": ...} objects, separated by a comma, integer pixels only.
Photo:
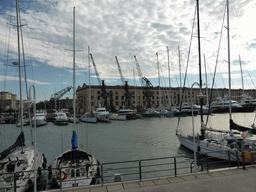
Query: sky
[{"x": 124, "y": 29}]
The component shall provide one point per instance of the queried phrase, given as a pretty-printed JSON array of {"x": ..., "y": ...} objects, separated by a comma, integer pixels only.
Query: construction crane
[
  {"x": 146, "y": 84},
  {"x": 104, "y": 94},
  {"x": 59, "y": 94},
  {"x": 127, "y": 94}
]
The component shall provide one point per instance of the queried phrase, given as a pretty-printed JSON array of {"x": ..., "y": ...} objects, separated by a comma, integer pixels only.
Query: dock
[{"x": 227, "y": 179}]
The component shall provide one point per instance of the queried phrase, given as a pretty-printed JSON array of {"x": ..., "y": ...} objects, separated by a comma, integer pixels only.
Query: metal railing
[
  {"x": 128, "y": 170},
  {"x": 161, "y": 167}
]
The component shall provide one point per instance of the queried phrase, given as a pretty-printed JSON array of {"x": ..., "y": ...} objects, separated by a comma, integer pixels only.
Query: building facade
[
  {"x": 8, "y": 101},
  {"x": 168, "y": 96}
]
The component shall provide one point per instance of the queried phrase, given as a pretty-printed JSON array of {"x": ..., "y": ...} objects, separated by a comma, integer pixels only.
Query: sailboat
[
  {"x": 19, "y": 163},
  {"x": 75, "y": 167},
  {"x": 167, "y": 112},
  {"x": 221, "y": 144},
  {"x": 89, "y": 117}
]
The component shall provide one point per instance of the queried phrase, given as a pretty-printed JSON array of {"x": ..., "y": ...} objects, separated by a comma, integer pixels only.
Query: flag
[{"x": 246, "y": 134}]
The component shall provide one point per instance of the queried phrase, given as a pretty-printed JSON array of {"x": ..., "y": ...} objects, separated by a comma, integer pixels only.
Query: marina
[{"x": 118, "y": 141}]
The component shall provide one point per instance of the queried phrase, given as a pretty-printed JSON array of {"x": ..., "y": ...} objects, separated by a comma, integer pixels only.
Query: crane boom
[
  {"x": 60, "y": 93},
  {"x": 97, "y": 74},
  {"x": 146, "y": 84},
  {"x": 119, "y": 68}
]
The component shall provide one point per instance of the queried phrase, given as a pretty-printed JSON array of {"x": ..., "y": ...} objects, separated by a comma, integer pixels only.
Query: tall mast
[
  {"x": 158, "y": 80},
  {"x": 18, "y": 38},
  {"x": 199, "y": 58},
  {"x": 180, "y": 75},
  {"x": 170, "y": 96},
  {"x": 242, "y": 77},
  {"x": 229, "y": 71},
  {"x": 74, "y": 71},
  {"x": 89, "y": 66}
]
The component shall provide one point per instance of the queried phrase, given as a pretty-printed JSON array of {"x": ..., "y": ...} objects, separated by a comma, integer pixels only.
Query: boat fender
[{"x": 63, "y": 174}]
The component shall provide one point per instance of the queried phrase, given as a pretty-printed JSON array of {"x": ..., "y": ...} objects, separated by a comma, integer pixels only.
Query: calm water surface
[{"x": 119, "y": 140}]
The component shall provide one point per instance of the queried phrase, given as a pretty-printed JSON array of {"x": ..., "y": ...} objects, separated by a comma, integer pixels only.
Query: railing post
[
  {"x": 237, "y": 160},
  {"x": 140, "y": 170},
  {"x": 15, "y": 183},
  {"x": 243, "y": 159},
  {"x": 101, "y": 175},
  {"x": 175, "y": 167},
  {"x": 207, "y": 164},
  {"x": 228, "y": 158},
  {"x": 60, "y": 180}
]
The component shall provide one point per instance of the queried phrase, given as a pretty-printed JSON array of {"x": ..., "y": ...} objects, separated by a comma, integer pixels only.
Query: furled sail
[
  {"x": 74, "y": 140},
  {"x": 19, "y": 142},
  {"x": 234, "y": 126}
]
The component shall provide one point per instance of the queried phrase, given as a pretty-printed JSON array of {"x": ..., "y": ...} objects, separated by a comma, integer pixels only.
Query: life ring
[{"x": 63, "y": 174}]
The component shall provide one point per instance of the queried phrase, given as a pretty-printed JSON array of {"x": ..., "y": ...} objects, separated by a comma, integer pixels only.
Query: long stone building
[{"x": 117, "y": 99}]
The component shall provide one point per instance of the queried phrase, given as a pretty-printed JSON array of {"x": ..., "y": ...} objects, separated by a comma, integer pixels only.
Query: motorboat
[
  {"x": 130, "y": 114},
  {"x": 248, "y": 102},
  {"x": 221, "y": 105},
  {"x": 89, "y": 118},
  {"x": 151, "y": 112},
  {"x": 60, "y": 118},
  {"x": 25, "y": 121},
  {"x": 116, "y": 116},
  {"x": 102, "y": 114},
  {"x": 40, "y": 119}
]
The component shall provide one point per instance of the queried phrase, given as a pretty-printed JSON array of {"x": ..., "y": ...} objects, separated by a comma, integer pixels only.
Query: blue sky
[{"x": 124, "y": 29}]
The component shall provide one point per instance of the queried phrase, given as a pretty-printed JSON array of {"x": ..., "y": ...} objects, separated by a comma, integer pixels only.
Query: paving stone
[
  {"x": 161, "y": 181},
  {"x": 175, "y": 179},
  {"x": 215, "y": 174},
  {"x": 131, "y": 185},
  {"x": 202, "y": 176},
  {"x": 99, "y": 189},
  {"x": 189, "y": 177},
  {"x": 115, "y": 187},
  {"x": 146, "y": 183}
]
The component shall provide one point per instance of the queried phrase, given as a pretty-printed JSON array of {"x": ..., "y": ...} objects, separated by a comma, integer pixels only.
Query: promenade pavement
[{"x": 222, "y": 180}]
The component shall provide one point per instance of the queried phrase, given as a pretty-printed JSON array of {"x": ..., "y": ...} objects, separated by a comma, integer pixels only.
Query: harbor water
[{"x": 119, "y": 140}]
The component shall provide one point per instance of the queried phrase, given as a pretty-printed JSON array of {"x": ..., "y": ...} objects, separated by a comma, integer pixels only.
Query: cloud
[{"x": 10, "y": 78}]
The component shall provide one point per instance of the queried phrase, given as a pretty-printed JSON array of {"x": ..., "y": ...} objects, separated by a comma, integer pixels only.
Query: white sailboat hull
[{"x": 210, "y": 149}]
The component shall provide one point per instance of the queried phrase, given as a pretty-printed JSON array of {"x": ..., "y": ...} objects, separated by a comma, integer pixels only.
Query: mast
[
  {"x": 180, "y": 76},
  {"x": 170, "y": 96},
  {"x": 89, "y": 66},
  {"x": 229, "y": 76},
  {"x": 74, "y": 72},
  {"x": 158, "y": 80},
  {"x": 207, "y": 101},
  {"x": 200, "y": 73},
  {"x": 18, "y": 38},
  {"x": 241, "y": 74}
]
